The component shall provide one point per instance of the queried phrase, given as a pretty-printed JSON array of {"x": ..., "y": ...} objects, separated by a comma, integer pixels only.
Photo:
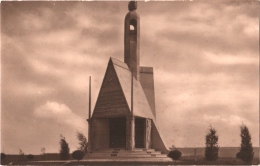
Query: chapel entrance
[
  {"x": 117, "y": 133},
  {"x": 139, "y": 132}
]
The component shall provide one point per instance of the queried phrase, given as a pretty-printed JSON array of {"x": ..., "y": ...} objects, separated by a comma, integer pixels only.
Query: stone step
[
  {"x": 128, "y": 152},
  {"x": 124, "y": 150},
  {"x": 129, "y": 155},
  {"x": 143, "y": 155},
  {"x": 123, "y": 153}
]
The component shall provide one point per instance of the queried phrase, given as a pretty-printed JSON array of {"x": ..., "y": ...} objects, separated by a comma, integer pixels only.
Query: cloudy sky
[{"x": 205, "y": 57}]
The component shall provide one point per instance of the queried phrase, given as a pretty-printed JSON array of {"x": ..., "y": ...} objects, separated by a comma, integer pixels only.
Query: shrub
[
  {"x": 174, "y": 155},
  {"x": 21, "y": 152},
  {"x": 78, "y": 154},
  {"x": 246, "y": 157},
  {"x": 82, "y": 142},
  {"x": 239, "y": 155},
  {"x": 64, "y": 149},
  {"x": 211, "y": 150},
  {"x": 246, "y": 152},
  {"x": 211, "y": 153},
  {"x": 30, "y": 156}
]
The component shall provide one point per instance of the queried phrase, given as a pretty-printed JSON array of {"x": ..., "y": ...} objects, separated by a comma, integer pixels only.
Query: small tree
[
  {"x": 82, "y": 142},
  {"x": 43, "y": 150},
  {"x": 246, "y": 152},
  {"x": 43, "y": 153},
  {"x": 211, "y": 150},
  {"x": 174, "y": 154},
  {"x": 30, "y": 156},
  {"x": 64, "y": 149},
  {"x": 21, "y": 154},
  {"x": 78, "y": 154}
]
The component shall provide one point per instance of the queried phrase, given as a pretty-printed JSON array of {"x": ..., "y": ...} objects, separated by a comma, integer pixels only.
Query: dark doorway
[
  {"x": 117, "y": 132},
  {"x": 139, "y": 132}
]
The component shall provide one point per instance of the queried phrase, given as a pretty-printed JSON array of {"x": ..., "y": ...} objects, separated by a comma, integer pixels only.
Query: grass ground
[
  {"x": 219, "y": 161},
  {"x": 226, "y": 157},
  {"x": 182, "y": 161}
]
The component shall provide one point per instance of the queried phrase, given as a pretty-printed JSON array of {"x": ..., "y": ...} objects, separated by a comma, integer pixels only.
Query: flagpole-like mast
[
  {"x": 132, "y": 132},
  {"x": 89, "y": 108},
  {"x": 132, "y": 93},
  {"x": 89, "y": 117}
]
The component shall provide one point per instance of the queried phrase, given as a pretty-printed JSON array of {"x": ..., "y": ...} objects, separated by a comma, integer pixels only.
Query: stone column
[
  {"x": 132, "y": 133},
  {"x": 148, "y": 133},
  {"x": 128, "y": 132},
  {"x": 89, "y": 136}
]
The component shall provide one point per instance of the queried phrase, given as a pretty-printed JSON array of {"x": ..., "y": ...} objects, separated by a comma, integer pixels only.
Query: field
[
  {"x": 226, "y": 157},
  {"x": 223, "y": 151}
]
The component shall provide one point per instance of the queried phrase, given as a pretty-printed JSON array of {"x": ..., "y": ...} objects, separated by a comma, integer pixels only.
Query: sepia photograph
[{"x": 130, "y": 82}]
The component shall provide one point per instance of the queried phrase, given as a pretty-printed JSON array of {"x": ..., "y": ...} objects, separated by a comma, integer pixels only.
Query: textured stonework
[
  {"x": 101, "y": 133},
  {"x": 111, "y": 100},
  {"x": 119, "y": 95},
  {"x": 147, "y": 82},
  {"x": 92, "y": 134},
  {"x": 89, "y": 136},
  {"x": 128, "y": 130},
  {"x": 132, "y": 5},
  {"x": 132, "y": 136},
  {"x": 148, "y": 133},
  {"x": 132, "y": 41}
]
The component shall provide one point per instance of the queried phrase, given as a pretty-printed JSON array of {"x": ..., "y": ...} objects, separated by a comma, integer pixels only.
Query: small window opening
[
  {"x": 132, "y": 27},
  {"x": 133, "y": 24}
]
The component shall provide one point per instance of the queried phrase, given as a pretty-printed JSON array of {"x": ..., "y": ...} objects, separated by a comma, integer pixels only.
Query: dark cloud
[
  {"x": 104, "y": 37},
  {"x": 210, "y": 40},
  {"x": 32, "y": 16},
  {"x": 248, "y": 8}
]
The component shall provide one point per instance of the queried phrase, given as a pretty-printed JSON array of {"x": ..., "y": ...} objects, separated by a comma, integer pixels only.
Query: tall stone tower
[
  {"x": 132, "y": 39},
  {"x": 124, "y": 114}
]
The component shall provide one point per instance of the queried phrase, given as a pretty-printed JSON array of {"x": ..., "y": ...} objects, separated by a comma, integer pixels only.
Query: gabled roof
[
  {"x": 111, "y": 101},
  {"x": 141, "y": 106}
]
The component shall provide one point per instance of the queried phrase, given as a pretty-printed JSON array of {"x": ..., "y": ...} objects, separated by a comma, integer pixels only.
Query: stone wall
[
  {"x": 157, "y": 140},
  {"x": 147, "y": 82},
  {"x": 101, "y": 138}
]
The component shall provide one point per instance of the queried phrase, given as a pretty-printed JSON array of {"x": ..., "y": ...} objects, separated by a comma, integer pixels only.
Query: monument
[{"x": 124, "y": 115}]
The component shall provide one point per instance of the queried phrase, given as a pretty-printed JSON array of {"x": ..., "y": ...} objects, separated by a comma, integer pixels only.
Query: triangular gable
[
  {"x": 141, "y": 105},
  {"x": 111, "y": 100},
  {"x": 118, "y": 79}
]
